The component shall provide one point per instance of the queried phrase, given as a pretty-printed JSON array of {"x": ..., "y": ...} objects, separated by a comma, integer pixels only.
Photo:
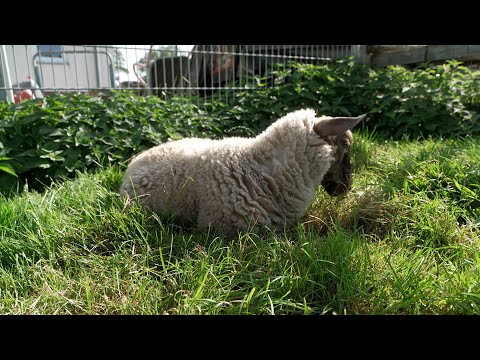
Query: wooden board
[
  {"x": 460, "y": 52},
  {"x": 383, "y": 55},
  {"x": 405, "y": 56}
]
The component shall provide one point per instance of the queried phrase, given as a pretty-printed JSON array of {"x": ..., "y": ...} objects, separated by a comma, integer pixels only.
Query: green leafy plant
[
  {"x": 6, "y": 167},
  {"x": 65, "y": 133},
  {"x": 53, "y": 139},
  {"x": 431, "y": 100}
]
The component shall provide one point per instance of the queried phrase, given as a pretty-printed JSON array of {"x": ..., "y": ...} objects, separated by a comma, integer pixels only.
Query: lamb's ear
[{"x": 336, "y": 125}]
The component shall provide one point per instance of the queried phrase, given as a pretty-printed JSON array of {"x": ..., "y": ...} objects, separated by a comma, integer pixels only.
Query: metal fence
[{"x": 161, "y": 70}]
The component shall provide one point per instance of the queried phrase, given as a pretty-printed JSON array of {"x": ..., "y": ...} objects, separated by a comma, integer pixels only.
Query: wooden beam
[
  {"x": 408, "y": 55},
  {"x": 459, "y": 52},
  {"x": 375, "y": 49}
]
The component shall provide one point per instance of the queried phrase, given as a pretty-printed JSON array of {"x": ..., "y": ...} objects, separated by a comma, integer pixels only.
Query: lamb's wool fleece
[{"x": 235, "y": 183}]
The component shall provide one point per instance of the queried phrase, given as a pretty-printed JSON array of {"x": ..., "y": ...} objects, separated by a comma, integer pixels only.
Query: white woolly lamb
[{"x": 246, "y": 183}]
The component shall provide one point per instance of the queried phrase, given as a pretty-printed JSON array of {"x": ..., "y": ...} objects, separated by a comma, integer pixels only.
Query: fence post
[
  {"x": 6, "y": 92},
  {"x": 361, "y": 53}
]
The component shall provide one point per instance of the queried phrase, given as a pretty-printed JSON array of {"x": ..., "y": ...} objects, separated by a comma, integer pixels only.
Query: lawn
[{"x": 405, "y": 240}]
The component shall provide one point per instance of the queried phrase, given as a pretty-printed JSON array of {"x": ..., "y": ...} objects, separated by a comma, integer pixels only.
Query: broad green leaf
[{"x": 6, "y": 167}]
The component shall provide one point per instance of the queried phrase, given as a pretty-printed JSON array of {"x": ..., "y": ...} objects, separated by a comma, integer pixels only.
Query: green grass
[{"x": 405, "y": 240}]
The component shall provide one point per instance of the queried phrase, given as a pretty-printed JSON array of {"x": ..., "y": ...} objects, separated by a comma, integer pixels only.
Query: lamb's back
[{"x": 179, "y": 177}]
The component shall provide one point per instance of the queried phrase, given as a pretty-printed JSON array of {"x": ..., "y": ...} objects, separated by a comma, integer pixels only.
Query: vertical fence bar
[
  {"x": 260, "y": 58},
  {"x": 6, "y": 91},
  {"x": 27, "y": 61},
  {"x": 163, "y": 84},
  {"x": 97, "y": 68},
  {"x": 220, "y": 60},
  {"x": 249, "y": 66},
  {"x": 180, "y": 77},
  {"x": 241, "y": 65},
  {"x": 86, "y": 67},
  {"x": 216, "y": 77},
  {"x": 272, "y": 62},
  {"x": 141, "y": 53},
  {"x": 212, "y": 64},
  {"x": 128, "y": 67},
  {"x": 223, "y": 63},
  {"x": 227, "y": 56},
  {"x": 188, "y": 83},
  {"x": 150, "y": 72},
  {"x": 142, "y": 86},
  {"x": 111, "y": 67},
  {"x": 17, "y": 80},
  {"x": 39, "y": 66},
  {"x": 135, "y": 52},
  {"x": 53, "y": 69},
  {"x": 155, "y": 86},
  {"x": 252, "y": 62},
  {"x": 134, "y": 85},
  {"x": 205, "y": 59},
  {"x": 65, "y": 68},
  {"x": 228, "y": 67},
  {"x": 172, "y": 83},
  {"x": 75, "y": 65},
  {"x": 196, "y": 54},
  {"x": 230, "y": 73}
]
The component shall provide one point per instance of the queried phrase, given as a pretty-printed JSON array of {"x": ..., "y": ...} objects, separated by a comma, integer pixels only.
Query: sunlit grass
[{"x": 405, "y": 240}]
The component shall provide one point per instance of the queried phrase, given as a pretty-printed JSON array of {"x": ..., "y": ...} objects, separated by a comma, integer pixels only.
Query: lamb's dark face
[
  {"x": 338, "y": 179},
  {"x": 336, "y": 132}
]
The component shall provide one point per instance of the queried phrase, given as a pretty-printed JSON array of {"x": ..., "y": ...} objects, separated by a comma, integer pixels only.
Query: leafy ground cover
[{"x": 52, "y": 139}]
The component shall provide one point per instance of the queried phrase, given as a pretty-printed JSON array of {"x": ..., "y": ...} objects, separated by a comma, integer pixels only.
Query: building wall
[
  {"x": 19, "y": 62},
  {"x": 81, "y": 69}
]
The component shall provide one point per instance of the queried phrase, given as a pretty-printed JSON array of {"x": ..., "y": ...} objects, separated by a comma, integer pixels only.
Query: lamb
[{"x": 245, "y": 184}]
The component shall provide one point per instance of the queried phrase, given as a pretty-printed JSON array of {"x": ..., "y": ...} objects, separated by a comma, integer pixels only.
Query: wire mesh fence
[{"x": 163, "y": 70}]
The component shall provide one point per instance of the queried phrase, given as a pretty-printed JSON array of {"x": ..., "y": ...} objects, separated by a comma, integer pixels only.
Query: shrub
[
  {"x": 435, "y": 100},
  {"x": 41, "y": 141},
  {"x": 62, "y": 134}
]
